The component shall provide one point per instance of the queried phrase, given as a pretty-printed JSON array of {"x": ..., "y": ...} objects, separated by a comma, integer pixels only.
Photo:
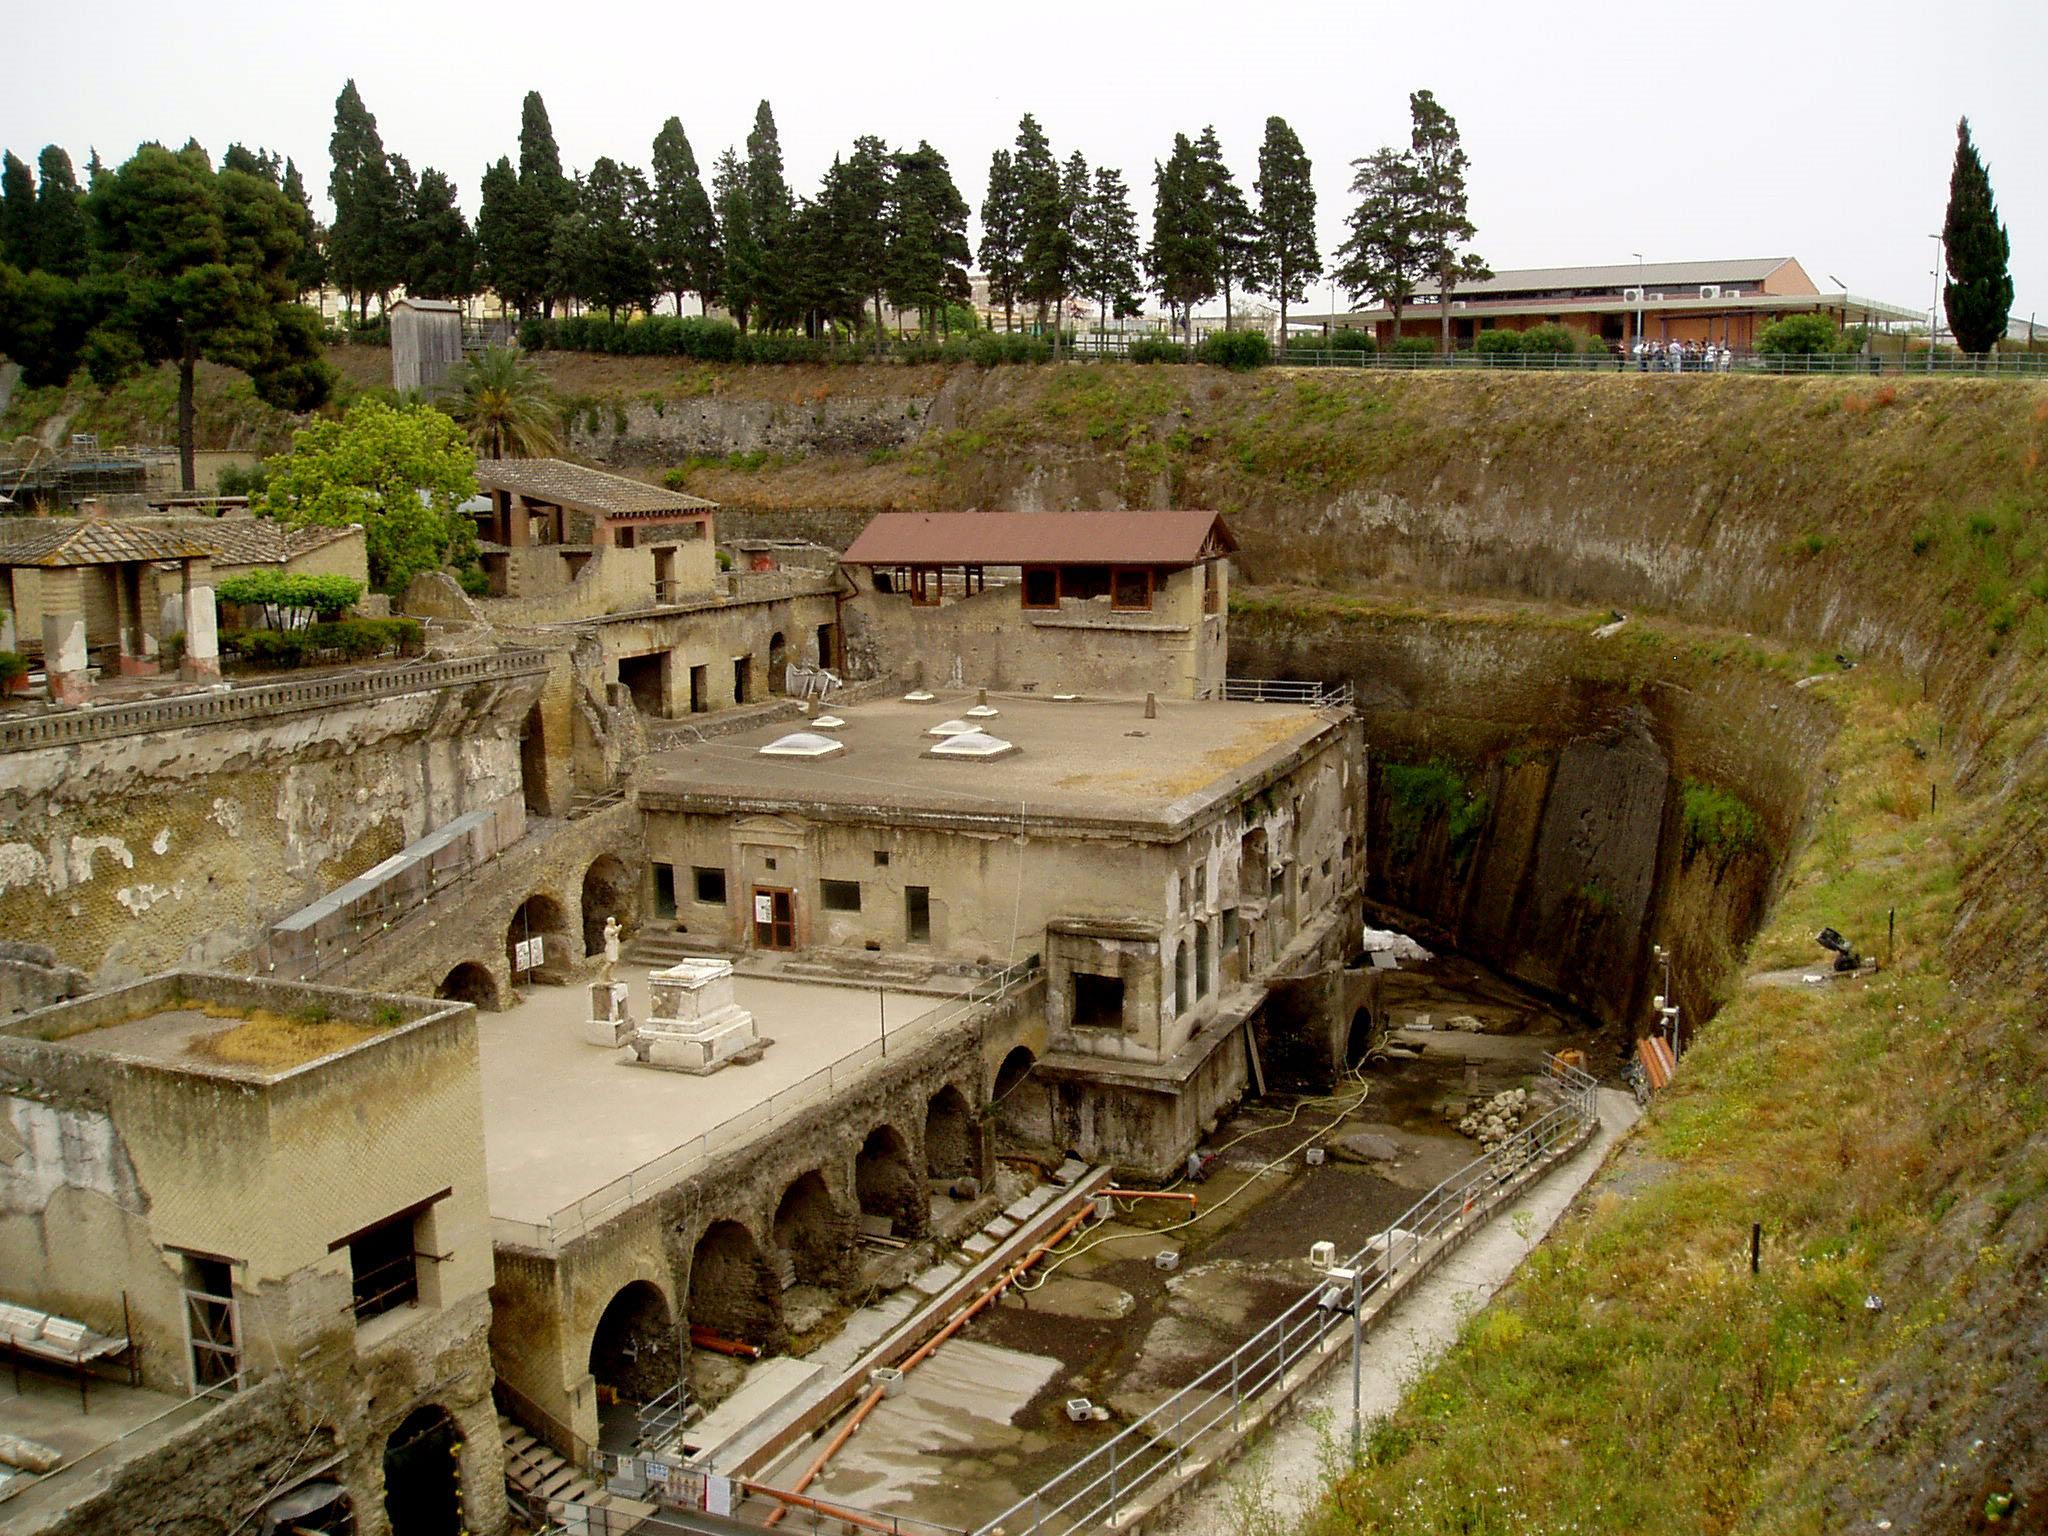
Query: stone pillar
[
  {"x": 64, "y": 660},
  {"x": 9, "y": 641},
  {"x": 518, "y": 521},
  {"x": 202, "y": 641}
]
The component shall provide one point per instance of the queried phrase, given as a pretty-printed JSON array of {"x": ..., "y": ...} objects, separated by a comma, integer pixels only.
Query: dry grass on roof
[
  {"x": 275, "y": 1042},
  {"x": 1257, "y": 738}
]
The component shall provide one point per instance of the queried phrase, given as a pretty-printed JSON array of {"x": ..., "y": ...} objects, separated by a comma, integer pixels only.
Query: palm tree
[{"x": 505, "y": 405}]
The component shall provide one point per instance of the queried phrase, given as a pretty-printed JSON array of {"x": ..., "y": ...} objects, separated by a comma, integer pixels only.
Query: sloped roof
[
  {"x": 592, "y": 490},
  {"x": 56, "y": 542},
  {"x": 1041, "y": 538},
  {"x": 253, "y": 540},
  {"x": 1654, "y": 274}
]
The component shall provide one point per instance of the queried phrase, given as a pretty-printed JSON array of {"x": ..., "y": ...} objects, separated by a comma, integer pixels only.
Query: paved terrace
[
  {"x": 1081, "y": 760},
  {"x": 563, "y": 1118}
]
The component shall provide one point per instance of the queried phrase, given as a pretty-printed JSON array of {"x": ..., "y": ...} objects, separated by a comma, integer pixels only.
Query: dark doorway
[
  {"x": 917, "y": 914},
  {"x": 422, "y": 1478},
  {"x": 533, "y": 764},
  {"x": 700, "y": 690},
  {"x": 646, "y": 678},
  {"x": 1011, "y": 1074},
  {"x": 742, "y": 679},
  {"x": 734, "y": 1297},
  {"x": 665, "y": 891},
  {"x": 635, "y": 1355},
  {"x": 774, "y": 917},
  {"x": 778, "y": 663},
  {"x": 949, "y": 1136},
  {"x": 470, "y": 982},
  {"x": 888, "y": 1186},
  {"x": 1358, "y": 1043},
  {"x": 610, "y": 889},
  {"x": 828, "y": 645},
  {"x": 536, "y": 940},
  {"x": 810, "y": 1229}
]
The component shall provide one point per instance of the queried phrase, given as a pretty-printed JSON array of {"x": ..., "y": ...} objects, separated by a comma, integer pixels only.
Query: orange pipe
[
  {"x": 704, "y": 1338},
  {"x": 832, "y": 1511},
  {"x": 924, "y": 1352},
  {"x": 1155, "y": 1194}
]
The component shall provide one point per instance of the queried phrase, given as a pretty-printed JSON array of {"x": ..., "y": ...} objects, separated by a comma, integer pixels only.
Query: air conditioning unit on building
[
  {"x": 1710, "y": 290},
  {"x": 1631, "y": 295},
  {"x": 1656, "y": 298},
  {"x": 1459, "y": 304}
]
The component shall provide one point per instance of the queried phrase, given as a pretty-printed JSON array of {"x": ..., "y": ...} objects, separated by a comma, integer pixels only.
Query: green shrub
[
  {"x": 1348, "y": 339},
  {"x": 1156, "y": 349},
  {"x": 1421, "y": 793},
  {"x": 234, "y": 480},
  {"x": 291, "y": 601},
  {"x": 1549, "y": 341},
  {"x": 1415, "y": 346},
  {"x": 474, "y": 580},
  {"x": 1239, "y": 351},
  {"x": 1497, "y": 343},
  {"x": 13, "y": 668},
  {"x": 1716, "y": 821},
  {"x": 272, "y": 648},
  {"x": 1800, "y": 336},
  {"x": 996, "y": 348}
]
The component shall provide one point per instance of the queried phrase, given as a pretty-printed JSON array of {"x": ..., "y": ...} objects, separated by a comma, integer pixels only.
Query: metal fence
[
  {"x": 658, "y": 1174},
  {"x": 1202, "y": 1418},
  {"x": 1280, "y": 690},
  {"x": 2031, "y": 365}
]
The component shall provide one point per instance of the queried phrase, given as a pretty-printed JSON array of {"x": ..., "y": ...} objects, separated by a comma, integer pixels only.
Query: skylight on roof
[
  {"x": 983, "y": 712},
  {"x": 827, "y": 723},
  {"x": 918, "y": 696},
  {"x": 803, "y": 744},
  {"x": 973, "y": 746},
  {"x": 953, "y": 728}
]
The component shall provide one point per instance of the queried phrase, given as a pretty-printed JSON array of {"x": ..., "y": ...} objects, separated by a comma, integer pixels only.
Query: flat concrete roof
[
  {"x": 1079, "y": 761},
  {"x": 563, "y": 1118}
]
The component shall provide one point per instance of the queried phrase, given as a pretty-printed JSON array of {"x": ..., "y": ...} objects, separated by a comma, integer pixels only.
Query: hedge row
[{"x": 337, "y": 640}]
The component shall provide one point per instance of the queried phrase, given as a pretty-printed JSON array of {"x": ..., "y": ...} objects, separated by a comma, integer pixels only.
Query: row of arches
[{"x": 610, "y": 888}]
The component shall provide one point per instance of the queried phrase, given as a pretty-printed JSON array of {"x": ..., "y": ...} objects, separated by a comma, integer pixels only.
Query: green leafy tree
[
  {"x": 1288, "y": 259},
  {"x": 308, "y": 269},
  {"x": 401, "y": 472},
  {"x": 601, "y": 253},
  {"x": 1237, "y": 234},
  {"x": 928, "y": 250},
  {"x": 1440, "y": 166},
  {"x": 1183, "y": 258},
  {"x": 1800, "y": 336},
  {"x": 17, "y": 213},
  {"x": 504, "y": 405},
  {"x": 366, "y": 244},
  {"x": 1978, "y": 294},
  {"x": 291, "y": 601},
  {"x": 545, "y": 196},
  {"x": 61, "y": 233},
  {"x": 1109, "y": 236},
  {"x": 44, "y": 321},
  {"x": 441, "y": 256},
  {"x": 1388, "y": 254},
  {"x": 682, "y": 229},
  {"x": 1002, "y": 235},
  {"x": 194, "y": 264}
]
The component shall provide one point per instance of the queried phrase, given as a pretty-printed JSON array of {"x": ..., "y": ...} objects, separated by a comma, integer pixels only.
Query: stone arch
[
  {"x": 734, "y": 1294},
  {"x": 470, "y": 981},
  {"x": 635, "y": 1354},
  {"x": 611, "y": 888},
  {"x": 812, "y": 1230},
  {"x": 1011, "y": 1074},
  {"x": 1183, "y": 980},
  {"x": 541, "y": 917},
  {"x": 422, "y": 1476},
  {"x": 533, "y": 762},
  {"x": 1358, "y": 1042},
  {"x": 949, "y": 1139},
  {"x": 778, "y": 663},
  {"x": 886, "y": 1180}
]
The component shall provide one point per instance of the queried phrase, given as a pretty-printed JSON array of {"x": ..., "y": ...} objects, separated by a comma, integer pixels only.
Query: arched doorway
[
  {"x": 734, "y": 1295},
  {"x": 470, "y": 982},
  {"x": 888, "y": 1185},
  {"x": 533, "y": 762},
  {"x": 635, "y": 1355},
  {"x": 610, "y": 889},
  {"x": 949, "y": 1136},
  {"x": 422, "y": 1478},
  {"x": 778, "y": 663},
  {"x": 1358, "y": 1042},
  {"x": 1011, "y": 1074},
  {"x": 810, "y": 1229},
  {"x": 536, "y": 940},
  {"x": 1183, "y": 980}
]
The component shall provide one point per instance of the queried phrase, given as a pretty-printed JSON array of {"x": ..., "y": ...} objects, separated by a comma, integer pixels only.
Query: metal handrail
[
  {"x": 663, "y": 1172},
  {"x": 1159, "y": 1443},
  {"x": 1282, "y": 690}
]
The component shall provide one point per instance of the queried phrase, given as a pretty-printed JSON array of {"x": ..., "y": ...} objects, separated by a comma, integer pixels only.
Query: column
[
  {"x": 64, "y": 659},
  {"x": 202, "y": 642}
]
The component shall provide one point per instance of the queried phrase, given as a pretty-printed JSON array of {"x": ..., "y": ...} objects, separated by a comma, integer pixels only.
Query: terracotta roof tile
[
  {"x": 67, "y": 541},
  {"x": 593, "y": 490},
  {"x": 1041, "y": 538}
]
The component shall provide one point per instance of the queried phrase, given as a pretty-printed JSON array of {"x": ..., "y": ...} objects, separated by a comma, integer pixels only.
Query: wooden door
[{"x": 774, "y": 917}]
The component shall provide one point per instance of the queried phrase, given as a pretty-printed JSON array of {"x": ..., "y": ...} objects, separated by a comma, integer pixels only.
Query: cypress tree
[
  {"x": 1288, "y": 259},
  {"x": 1109, "y": 239},
  {"x": 682, "y": 228},
  {"x": 365, "y": 248},
  {"x": 928, "y": 234},
  {"x": 1236, "y": 234},
  {"x": 1037, "y": 175},
  {"x": 771, "y": 208},
  {"x": 1978, "y": 294},
  {"x": 1440, "y": 165},
  {"x": 1387, "y": 255},
  {"x": 743, "y": 283},
  {"x": 60, "y": 216},
  {"x": 1002, "y": 235},
  {"x": 442, "y": 251},
  {"x": 308, "y": 269},
  {"x": 545, "y": 196},
  {"x": 504, "y": 245},
  {"x": 1183, "y": 258},
  {"x": 17, "y": 213}
]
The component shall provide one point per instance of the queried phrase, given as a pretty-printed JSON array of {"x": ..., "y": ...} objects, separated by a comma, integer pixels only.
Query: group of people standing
[{"x": 1681, "y": 357}]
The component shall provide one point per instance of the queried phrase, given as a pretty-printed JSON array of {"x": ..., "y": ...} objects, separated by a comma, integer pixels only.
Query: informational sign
[
  {"x": 657, "y": 1471},
  {"x": 717, "y": 1495},
  {"x": 528, "y": 954},
  {"x": 764, "y": 909}
]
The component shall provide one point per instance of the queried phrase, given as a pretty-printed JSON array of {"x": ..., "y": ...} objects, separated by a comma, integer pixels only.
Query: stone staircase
[
  {"x": 539, "y": 1477},
  {"x": 658, "y": 948}
]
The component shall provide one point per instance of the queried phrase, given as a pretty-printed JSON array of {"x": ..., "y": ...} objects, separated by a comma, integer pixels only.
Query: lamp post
[
  {"x": 1639, "y": 295},
  {"x": 1341, "y": 1278},
  {"x": 1934, "y": 311}
]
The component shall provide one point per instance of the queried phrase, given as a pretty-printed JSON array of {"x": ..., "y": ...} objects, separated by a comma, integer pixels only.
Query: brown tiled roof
[
  {"x": 252, "y": 540},
  {"x": 591, "y": 490},
  {"x": 65, "y": 541},
  {"x": 1041, "y": 538}
]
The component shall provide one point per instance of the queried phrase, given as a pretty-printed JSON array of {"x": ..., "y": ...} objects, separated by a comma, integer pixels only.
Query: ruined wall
[{"x": 132, "y": 855}]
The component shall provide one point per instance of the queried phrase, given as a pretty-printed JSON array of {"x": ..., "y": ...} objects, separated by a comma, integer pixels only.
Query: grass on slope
[{"x": 1636, "y": 1376}]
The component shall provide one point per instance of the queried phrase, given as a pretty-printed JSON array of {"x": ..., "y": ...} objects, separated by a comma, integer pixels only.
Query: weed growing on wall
[
  {"x": 1419, "y": 794},
  {"x": 1716, "y": 821}
]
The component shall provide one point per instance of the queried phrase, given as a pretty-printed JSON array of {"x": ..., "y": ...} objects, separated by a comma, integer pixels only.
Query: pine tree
[
  {"x": 1978, "y": 294},
  {"x": 308, "y": 269},
  {"x": 365, "y": 248},
  {"x": 1236, "y": 234},
  {"x": 1288, "y": 258},
  {"x": 1002, "y": 235},
  {"x": 1110, "y": 238},
  {"x": 1183, "y": 258},
  {"x": 17, "y": 213},
  {"x": 443, "y": 254},
  {"x": 859, "y": 194},
  {"x": 1037, "y": 175},
  {"x": 771, "y": 208},
  {"x": 545, "y": 196},
  {"x": 1387, "y": 254},
  {"x": 1440, "y": 165},
  {"x": 928, "y": 250},
  {"x": 620, "y": 274},
  {"x": 744, "y": 282},
  {"x": 682, "y": 230},
  {"x": 504, "y": 244},
  {"x": 61, "y": 239}
]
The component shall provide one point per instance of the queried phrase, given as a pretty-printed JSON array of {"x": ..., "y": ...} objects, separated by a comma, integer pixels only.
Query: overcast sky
[{"x": 1820, "y": 129}]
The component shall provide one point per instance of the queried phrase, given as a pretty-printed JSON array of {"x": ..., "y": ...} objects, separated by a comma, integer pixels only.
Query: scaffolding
[{"x": 37, "y": 478}]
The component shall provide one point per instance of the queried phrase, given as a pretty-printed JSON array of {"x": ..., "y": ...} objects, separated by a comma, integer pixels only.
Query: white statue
[{"x": 611, "y": 945}]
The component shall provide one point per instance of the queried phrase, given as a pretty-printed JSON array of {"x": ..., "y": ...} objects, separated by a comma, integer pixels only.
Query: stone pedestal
[
  {"x": 611, "y": 1018},
  {"x": 693, "y": 1024}
]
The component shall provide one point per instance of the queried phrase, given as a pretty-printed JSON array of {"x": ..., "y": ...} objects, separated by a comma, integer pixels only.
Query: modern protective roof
[
  {"x": 1041, "y": 538},
  {"x": 571, "y": 485},
  {"x": 1654, "y": 274},
  {"x": 56, "y": 542}
]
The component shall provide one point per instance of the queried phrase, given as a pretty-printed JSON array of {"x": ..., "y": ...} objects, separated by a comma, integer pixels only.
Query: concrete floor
[
  {"x": 119, "y": 1423},
  {"x": 563, "y": 1118}
]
